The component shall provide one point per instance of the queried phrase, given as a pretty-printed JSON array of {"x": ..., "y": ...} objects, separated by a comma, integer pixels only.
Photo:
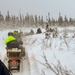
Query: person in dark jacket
[
  {"x": 3, "y": 69},
  {"x": 12, "y": 42}
]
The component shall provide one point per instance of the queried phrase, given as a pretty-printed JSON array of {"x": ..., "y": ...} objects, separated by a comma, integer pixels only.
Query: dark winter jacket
[{"x": 3, "y": 69}]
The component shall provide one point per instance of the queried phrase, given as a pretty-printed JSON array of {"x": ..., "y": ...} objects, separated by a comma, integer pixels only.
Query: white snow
[{"x": 55, "y": 49}]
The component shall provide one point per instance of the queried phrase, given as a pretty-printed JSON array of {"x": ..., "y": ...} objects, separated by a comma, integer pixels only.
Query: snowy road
[{"x": 30, "y": 63}]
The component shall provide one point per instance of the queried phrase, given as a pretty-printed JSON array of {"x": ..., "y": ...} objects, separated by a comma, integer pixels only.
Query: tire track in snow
[
  {"x": 33, "y": 64},
  {"x": 25, "y": 66},
  {"x": 25, "y": 61}
]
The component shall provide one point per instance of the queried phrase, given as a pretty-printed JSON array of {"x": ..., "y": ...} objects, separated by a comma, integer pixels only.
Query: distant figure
[
  {"x": 17, "y": 35},
  {"x": 31, "y": 31},
  {"x": 47, "y": 26},
  {"x": 39, "y": 31}
]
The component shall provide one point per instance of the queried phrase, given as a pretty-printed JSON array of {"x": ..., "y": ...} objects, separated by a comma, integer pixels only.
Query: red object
[{"x": 13, "y": 60}]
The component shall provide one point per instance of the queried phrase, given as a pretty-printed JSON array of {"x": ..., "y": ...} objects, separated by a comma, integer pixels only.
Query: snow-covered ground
[{"x": 43, "y": 57}]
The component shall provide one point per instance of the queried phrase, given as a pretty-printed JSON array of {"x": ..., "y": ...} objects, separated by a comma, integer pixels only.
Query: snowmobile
[{"x": 14, "y": 56}]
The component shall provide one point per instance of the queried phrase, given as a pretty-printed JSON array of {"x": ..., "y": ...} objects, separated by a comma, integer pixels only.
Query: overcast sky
[{"x": 39, "y": 7}]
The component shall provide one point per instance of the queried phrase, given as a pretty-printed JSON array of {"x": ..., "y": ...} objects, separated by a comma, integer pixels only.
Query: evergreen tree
[
  {"x": 27, "y": 18},
  {"x": 65, "y": 19},
  {"x": 41, "y": 21},
  {"x": 49, "y": 21},
  {"x": 8, "y": 18},
  {"x": 60, "y": 19},
  {"x": 1, "y": 17},
  {"x": 71, "y": 20},
  {"x": 31, "y": 19},
  {"x": 53, "y": 21},
  {"x": 13, "y": 18},
  {"x": 35, "y": 20}
]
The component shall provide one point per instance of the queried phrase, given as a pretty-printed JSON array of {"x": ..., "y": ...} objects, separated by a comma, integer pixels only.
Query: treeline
[
  {"x": 21, "y": 20},
  {"x": 34, "y": 20}
]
